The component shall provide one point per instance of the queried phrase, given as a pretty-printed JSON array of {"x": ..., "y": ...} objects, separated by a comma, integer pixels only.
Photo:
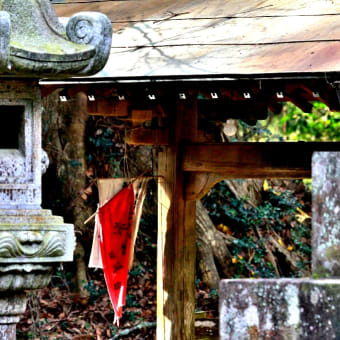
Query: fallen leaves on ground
[{"x": 58, "y": 313}]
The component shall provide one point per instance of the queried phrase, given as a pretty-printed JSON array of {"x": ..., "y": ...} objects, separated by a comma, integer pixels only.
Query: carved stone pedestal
[
  {"x": 12, "y": 305},
  {"x": 31, "y": 243}
]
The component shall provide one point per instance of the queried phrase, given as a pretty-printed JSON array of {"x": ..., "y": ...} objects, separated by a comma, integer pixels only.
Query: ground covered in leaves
[{"x": 58, "y": 313}]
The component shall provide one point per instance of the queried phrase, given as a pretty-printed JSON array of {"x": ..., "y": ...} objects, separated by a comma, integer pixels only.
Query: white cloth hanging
[{"x": 108, "y": 188}]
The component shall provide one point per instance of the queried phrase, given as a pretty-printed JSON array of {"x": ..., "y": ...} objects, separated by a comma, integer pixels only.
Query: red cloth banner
[{"x": 115, "y": 225}]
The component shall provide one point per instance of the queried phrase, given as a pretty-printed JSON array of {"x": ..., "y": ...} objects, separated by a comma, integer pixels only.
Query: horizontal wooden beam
[
  {"x": 254, "y": 160},
  {"x": 141, "y": 136}
]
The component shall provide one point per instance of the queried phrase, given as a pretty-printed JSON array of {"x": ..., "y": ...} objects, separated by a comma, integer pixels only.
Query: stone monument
[{"x": 34, "y": 45}]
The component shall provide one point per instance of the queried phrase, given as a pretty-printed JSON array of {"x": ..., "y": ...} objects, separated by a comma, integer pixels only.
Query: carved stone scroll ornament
[
  {"x": 34, "y": 43},
  {"x": 94, "y": 29},
  {"x": 37, "y": 237},
  {"x": 31, "y": 244}
]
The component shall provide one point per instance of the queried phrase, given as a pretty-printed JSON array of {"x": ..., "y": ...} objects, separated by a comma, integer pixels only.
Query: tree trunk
[
  {"x": 213, "y": 256},
  {"x": 212, "y": 253},
  {"x": 64, "y": 141},
  {"x": 250, "y": 189}
]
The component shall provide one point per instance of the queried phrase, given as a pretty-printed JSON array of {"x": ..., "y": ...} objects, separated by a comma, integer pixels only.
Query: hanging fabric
[
  {"x": 107, "y": 189},
  {"x": 95, "y": 257},
  {"x": 139, "y": 186},
  {"x": 112, "y": 248},
  {"x": 115, "y": 229}
]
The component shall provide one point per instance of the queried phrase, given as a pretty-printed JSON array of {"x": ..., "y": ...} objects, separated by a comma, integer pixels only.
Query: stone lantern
[{"x": 33, "y": 45}]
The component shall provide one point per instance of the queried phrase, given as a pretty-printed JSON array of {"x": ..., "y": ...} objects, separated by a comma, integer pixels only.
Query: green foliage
[
  {"x": 130, "y": 315},
  {"x": 74, "y": 163},
  {"x": 213, "y": 294},
  {"x": 277, "y": 216},
  {"x": 300, "y": 234},
  {"x": 251, "y": 228},
  {"x": 292, "y": 124},
  {"x": 62, "y": 278},
  {"x": 319, "y": 125},
  {"x": 131, "y": 301}
]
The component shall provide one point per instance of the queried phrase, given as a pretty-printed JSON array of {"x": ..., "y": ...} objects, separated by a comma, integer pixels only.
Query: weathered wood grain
[
  {"x": 254, "y": 160},
  {"x": 199, "y": 183},
  {"x": 137, "y": 10},
  {"x": 181, "y": 38},
  {"x": 141, "y": 136},
  {"x": 176, "y": 236}
]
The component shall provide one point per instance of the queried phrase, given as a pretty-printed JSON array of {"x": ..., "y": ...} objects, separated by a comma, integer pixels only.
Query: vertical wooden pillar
[{"x": 176, "y": 234}]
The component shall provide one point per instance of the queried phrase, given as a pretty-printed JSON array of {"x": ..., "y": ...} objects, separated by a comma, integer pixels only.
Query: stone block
[
  {"x": 326, "y": 214},
  {"x": 11, "y": 307},
  {"x": 34, "y": 238},
  {"x": 279, "y": 309},
  {"x": 20, "y": 146}
]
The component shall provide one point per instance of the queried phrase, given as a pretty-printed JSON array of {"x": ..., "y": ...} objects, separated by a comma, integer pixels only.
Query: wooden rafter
[{"x": 241, "y": 98}]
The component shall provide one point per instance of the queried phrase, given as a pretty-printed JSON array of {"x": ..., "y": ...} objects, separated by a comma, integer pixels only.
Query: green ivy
[{"x": 276, "y": 213}]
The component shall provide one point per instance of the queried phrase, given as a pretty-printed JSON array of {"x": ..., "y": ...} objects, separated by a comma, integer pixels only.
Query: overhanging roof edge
[{"x": 327, "y": 76}]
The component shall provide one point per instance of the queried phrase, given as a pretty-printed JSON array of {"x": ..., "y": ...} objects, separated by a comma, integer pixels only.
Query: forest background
[{"x": 245, "y": 228}]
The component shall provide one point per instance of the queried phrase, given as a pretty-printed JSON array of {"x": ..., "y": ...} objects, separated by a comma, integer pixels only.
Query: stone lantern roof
[{"x": 35, "y": 44}]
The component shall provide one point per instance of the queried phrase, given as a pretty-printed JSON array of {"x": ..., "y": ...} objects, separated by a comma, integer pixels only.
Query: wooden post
[{"x": 176, "y": 234}]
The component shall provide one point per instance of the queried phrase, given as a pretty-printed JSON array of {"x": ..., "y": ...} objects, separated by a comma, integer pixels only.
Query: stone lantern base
[
  {"x": 31, "y": 243},
  {"x": 12, "y": 306}
]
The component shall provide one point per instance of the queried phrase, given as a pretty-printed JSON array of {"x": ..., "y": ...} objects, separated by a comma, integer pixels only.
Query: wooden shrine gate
[
  {"x": 188, "y": 170},
  {"x": 173, "y": 118}
]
